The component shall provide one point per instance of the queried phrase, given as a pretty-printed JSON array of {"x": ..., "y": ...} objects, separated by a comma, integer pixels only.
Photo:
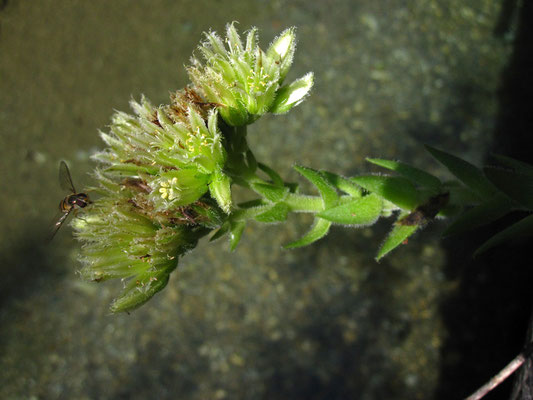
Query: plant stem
[{"x": 304, "y": 203}]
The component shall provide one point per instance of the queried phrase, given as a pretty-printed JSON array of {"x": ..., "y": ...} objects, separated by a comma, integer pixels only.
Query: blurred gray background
[{"x": 322, "y": 322}]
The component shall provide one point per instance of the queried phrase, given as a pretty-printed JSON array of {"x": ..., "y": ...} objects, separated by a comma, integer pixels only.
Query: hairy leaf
[
  {"x": 397, "y": 236},
  {"x": 319, "y": 229},
  {"x": 270, "y": 192},
  {"x": 328, "y": 192},
  {"x": 362, "y": 211},
  {"x": 399, "y": 191},
  {"x": 416, "y": 175},
  {"x": 467, "y": 173},
  {"x": 278, "y": 213}
]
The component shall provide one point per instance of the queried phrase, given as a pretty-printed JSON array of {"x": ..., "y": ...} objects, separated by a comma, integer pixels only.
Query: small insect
[{"x": 71, "y": 201}]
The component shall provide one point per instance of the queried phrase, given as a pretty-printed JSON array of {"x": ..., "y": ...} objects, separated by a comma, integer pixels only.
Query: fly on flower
[{"x": 70, "y": 202}]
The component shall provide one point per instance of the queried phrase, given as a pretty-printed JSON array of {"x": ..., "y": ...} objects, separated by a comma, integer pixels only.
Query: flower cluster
[
  {"x": 165, "y": 177},
  {"x": 245, "y": 81},
  {"x": 177, "y": 150},
  {"x": 160, "y": 165}
]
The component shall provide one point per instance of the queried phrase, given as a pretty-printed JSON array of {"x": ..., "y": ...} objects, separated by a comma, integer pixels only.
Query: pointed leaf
[
  {"x": 479, "y": 215},
  {"x": 273, "y": 175},
  {"x": 328, "y": 192},
  {"x": 278, "y": 213},
  {"x": 518, "y": 186},
  {"x": 467, "y": 173},
  {"x": 363, "y": 211},
  {"x": 220, "y": 232},
  {"x": 253, "y": 203},
  {"x": 251, "y": 161},
  {"x": 397, "y": 236},
  {"x": 270, "y": 192},
  {"x": 399, "y": 191},
  {"x": 416, "y": 175},
  {"x": 319, "y": 229},
  {"x": 237, "y": 227},
  {"x": 521, "y": 229},
  {"x": 342, "y": 183}
]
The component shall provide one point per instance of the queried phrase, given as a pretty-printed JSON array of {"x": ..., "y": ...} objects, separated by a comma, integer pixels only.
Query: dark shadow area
[
  {"x": 28, "y": 266},
  {"x": 514, "y": 127},
  {"x": 487, "y": 318},
  {"x": 332, "y": 368}
]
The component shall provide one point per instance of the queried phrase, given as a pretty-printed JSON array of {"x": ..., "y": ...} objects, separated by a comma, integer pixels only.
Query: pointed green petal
[{"x": 289, "y": 96}]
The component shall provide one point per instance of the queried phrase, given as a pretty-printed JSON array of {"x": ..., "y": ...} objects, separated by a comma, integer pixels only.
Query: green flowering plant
[{"x": 165, "y": 179}]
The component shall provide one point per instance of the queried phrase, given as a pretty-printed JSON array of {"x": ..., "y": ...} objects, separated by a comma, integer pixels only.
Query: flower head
[
  {"x": 244, "y": 80},
  {"x": 165, "y": 177},
  {"x": 154, "y": 184}
]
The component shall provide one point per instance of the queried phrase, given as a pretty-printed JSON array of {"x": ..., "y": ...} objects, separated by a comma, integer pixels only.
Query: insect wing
[
  {"x": 65, "y": 180},
  {"x": 57, "y": 223}
]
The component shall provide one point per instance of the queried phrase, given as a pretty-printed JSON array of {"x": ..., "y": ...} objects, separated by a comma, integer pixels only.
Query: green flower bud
[
  {"x": 241, "y": 79},
  {"x": 220, "y": 189},
  {"x": 292, "y": 95},
  {"x": 282, "y": 49}
]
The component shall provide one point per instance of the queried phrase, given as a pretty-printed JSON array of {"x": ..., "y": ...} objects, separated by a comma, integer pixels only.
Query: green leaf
[
  {"x": 319, "y": 229},
  {"x": 467, "y": 173},
  {"x": 278, "y": 213},
  {"x": 363, "y": 211},
  {"x": 418, "y": 176},
  {"x": 270, "y": 192},
  {"x": 521, "y": 229},
  {"x": 237, "y": 227},
  {"x": 273, "y": 175},
  {"x": 327, "y": 192},
  {"x": 518, "y": 186},
  {"x": 221, "y": 232},
  {"x": 397, "y": 236},
  {"x": 253, "y": 203},
  {"x": 251, "y": 161},
  {"x": 342, "y": 183},
  {"x": 399, "y": 191},
  {"x": 481, "y": 214}
]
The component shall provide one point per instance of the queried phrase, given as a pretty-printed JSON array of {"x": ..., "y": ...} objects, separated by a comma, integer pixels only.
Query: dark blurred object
[
  {"x": 508, "y": 16},
  {"x": 514, "y": 126},
  {"x": 489, "y": 315}
]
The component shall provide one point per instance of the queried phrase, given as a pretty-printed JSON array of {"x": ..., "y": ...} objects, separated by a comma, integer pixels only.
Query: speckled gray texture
[{"x": 323, "y": 322}]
